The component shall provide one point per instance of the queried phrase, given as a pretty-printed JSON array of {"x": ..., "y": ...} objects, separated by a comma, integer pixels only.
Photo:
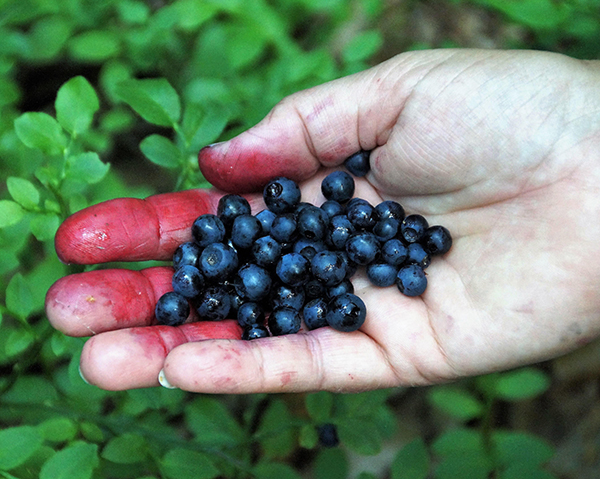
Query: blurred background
[{"x": 81, "y": 82}]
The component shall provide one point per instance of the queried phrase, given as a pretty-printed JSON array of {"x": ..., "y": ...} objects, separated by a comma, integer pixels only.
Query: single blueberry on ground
[
  {"x": 250, "y": 313},
  {"x": 293, "y": 269},
  {"x": 245, "y": 230},
  {"x": 253, "y": 282},
  {"x": 284, "y": 321},
  {"x": 338, "y": 186},
  {"x": 346, "y": 312},
  {"x": 328, "y": 436},
  {"x": 230, "y": 207},
  {"x": 382, "y": 274},
  {"x": 213, "y": 304},
  {"x": 218, "y": 261},
  {"x": 172, "y": 309},
  {"x": 413, "y": 228},
  {"x": 208, "y": 229},
  {"x": 362, "y": 248},
  {"x": 187, "y": 281},
  {"x": 437, "y": 240},
  {"x": 328, "y": 267},
  {"x": 315, "y": 313},
  {"x": 186, "y": 253},
  {"x": 359, "y": 163},
  {"x": 281, "y": 195},
  {"x": 411, "y": 280}
]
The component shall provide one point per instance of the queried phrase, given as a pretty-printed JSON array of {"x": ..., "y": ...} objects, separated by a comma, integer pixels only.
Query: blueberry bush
[{"x": 92, "y": 93}]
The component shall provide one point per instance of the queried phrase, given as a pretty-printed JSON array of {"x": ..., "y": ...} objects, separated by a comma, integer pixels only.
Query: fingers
[{"x": 132, "y": 358}]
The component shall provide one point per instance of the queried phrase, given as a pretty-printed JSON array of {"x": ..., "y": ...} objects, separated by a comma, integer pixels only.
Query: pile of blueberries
[{"x": 293, "y": 261}]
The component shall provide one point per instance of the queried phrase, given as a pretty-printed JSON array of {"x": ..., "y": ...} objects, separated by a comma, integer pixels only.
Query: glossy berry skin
[
  {"x": 313, "y": 289},
  {"x": 172, "y": 309},
  {"x": 328, "y": 267},
  {"x": 359, "y": 163},
  {"x": 413, "y": 228},
  {"x": 266, "y": 251},
  {"x": 328, "y": 436},
  {"x": 362, "y": 215},
  {"x": 390, "y": 209},
  {"x": 338, "y": 186},
  {"x": 245, "y": 230},
  {"x": 266, "y": 218},
  {"x": 382, "y": 274},
  {"x": 417, "y": 255},
  {"x": 208, "y": 229},
  {"x": 186, "y": 253},
  {"x": 308, "y": 248},
  {"x": 339, "y": 230},
  {"x": 284, "y": 321},
  {"x": 283, "y": 228},
  {"x": 187, "y": 281},
  {"x": 281, "y": 195},
  {"x": 315, "y": 313},
  {"x": 249, "y": 314},
  {"x": 255, "y": 331},
  {"x": 218, "y": 262},
  {"x": 213, "y": 304},
  {"x": 283, "y": 295},
  {"x": 312, "y": 223},
  {"x": 344, "y": 287},
  {"x": 394, "y": 252},
  {"x": 386, "y": 229},
  {"x": 437, "y": 240},
  {"x": 293, "y": 269},
  {"x": 411, "y": 280},
  {"x": 362, "y": 248},
  {"x": 333, "y": 208},
  {"x": 346, "y": 313},
  {"x": 230, "y": 207},
  {"x": 253, "y": 282},
  {"x": 351, "y": 266}
]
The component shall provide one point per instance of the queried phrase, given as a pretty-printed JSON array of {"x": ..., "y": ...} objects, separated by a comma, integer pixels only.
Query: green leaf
[
  {"x": 277, "y": 436},
  {"x": 18, "y": 297},
  {"x": 17, "y": 444},
  {"x": 363, "y": 46},
  {"x": 47, "y": 37},
  {"x": 411, "y": 462},
  {"x": 319, "y": 406},
  {"x": 212, "y": 423},
  {"x": 525, "y": 383},
  {"x": 23, "y": 192},
  {"x": 10, "y": 213},
  {"x": 309, "y": 437},
  {"x": 76, "y": 103},
  {"x": 537, "y": 14},
  {"x": 455, "y": 401},
  {"x": 155, "y": 100},
  {"x": 475, "y": 465},
  {"x": 87, "y": 167},
  {"x": 39, "y": 130},
  {"x": 360, "y": 435},
  {"x": 161, "y": 151},
  {"x": 95, "y": 46},
  {"x": 91, "y": 432},
  {"x": 274, "y": 470},
  {"x": 520, "y": 471},
  {"x": 44, "y": 226},
  {"x": 193, "y": 13},
  {"x": 458, "y": 441},
  {"x": 331, "y": 464},
  {"x": 134, "y": 12},
  {"x": 202, "y": 127},
  {"x": 18, "y": 341},
  {"x": 58, "y": 429},
  {"x": 126, "y": 449},
  {"x": 185, "y": 464},
  {"x": 76, "y": 461},
  {"x": 513, "y": 447}
]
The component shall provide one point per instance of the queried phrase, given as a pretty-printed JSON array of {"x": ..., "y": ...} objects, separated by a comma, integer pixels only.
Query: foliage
[{"x": 80, "y": 80}]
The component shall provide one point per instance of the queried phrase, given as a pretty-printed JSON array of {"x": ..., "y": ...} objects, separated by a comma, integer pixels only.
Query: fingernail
[
  {"x": 83, "y": 377},
  {"x": 163, "y": 380}
]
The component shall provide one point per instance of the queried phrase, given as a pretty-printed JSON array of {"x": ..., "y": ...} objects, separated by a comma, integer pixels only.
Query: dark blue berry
[
  {"x": 362, "y": 215},
  {"x": 266, "y": 251},
  {"x": 382, "y": 274},
  {"x": 172, "y": 309},
  {"x": 437, "y": 240},
  {"x": 362, "y": 248},
  {"x": 333, "y": 208},
  {"x": 328, "y": 436},
  {"x": 313, "y": 288},
  {"x": 249, "y": 314},
  {"x": 328, "y": 267},
  {"x": 283, "y": 228},
  {"x": 253, "y": 282},
  {"x": 245, "y": 230},
  {"x": 344, "y": 287},
  {"x": 417, "y": 255},
  {"x": 284, "y": 295},
  {"x": 187, "y": 281},
  {"x": 308, "y": 248},
  {"x": 281, "y": 195},
  {"x": 413, "y": 228},
  {"x": 358, "y": 164},
  {"x": 186, "y": 253},
  {"x": 266, "y": 218},
  {"x": 386, "y": 229},
  {"x": 351, "y": 266},
  {"x": 394, "y": 252},
  {"x": 346, "y": 312},
  {"x": 312, "y": 223},
  {"x": 338, "y": 186},
  {"x": 255, "y": 331},
  {"x": 315, "y": 313},
  {"x": 208, "y": 229},
  {"x": 218, "y": 261},
  {"x": 293, "y": 269},
  {"x": 390, "y": 209},
  {"x": 284, "y": 321},
  {"x": 339, "y": 230},
  {"x": 213, "y": 304},
  {"x": 411, "y": 280},
  {"x": 230, "y": 207}
]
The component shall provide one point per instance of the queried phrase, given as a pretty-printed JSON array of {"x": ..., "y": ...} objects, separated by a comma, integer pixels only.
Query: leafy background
[{"x": 101, "y": 99}]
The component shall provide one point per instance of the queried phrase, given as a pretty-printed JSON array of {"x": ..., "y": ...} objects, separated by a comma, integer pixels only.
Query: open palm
[{"x": 500, "y": 147}]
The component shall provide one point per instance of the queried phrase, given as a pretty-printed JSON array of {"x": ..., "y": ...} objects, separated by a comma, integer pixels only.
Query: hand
[{"x": 502, "y": 148}]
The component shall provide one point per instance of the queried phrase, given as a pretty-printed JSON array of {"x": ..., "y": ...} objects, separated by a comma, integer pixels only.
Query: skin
[{"x": 500, "y": 147}]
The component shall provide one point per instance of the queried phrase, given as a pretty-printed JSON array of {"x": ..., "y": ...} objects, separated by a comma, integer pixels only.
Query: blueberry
[
  {"x": 411, "y": 280},
  {"x": 362, "y": 248},
  {"x": 314, "y": 313},
  {"x": 281, "y": 195},
  {"x": 283, "y": 295},
  {"x": 172, "y": 309},
  {"x": 344, "y": 287},
  {"x": 249, "y": 314},
  {"x": 312, "y": 223},
  {"x": 235, "y": 300},
  {"x": 339, "y": 230},
  {"x": 284, "y": 321},
  {"x": 232, "y": 206},
  {"x": 436, "y": 240},
  {"x": 283, "y": 228},
  {"x": 333, "y": 208},
  {"x": 413, "y": 228},
  {"x": 362, "y": 215},
  {"x": 253, "y": 282},
  {"x": 218, "y": 261},
  {"x": 213, "y": 304},
  {"x": 293, "y": 269},
  {"x": 266, "y": 218},
  {"x": 338, "y": 186},
  {"x": 308, "y": 248},
  {"x": 328, "y": 436},
  {"x": 187, "y": 281},
  {"x": 186, "y": 253},
  {"x": 382, "y": 274},
  {"x": 394, "y": 252},
  {"x": 313, "y": 288},
  {"x": 390, "y": 209},
  {"x": 266, "y": 251},
  {"x": 254, "y": 331},
  {"x": 208, "y": 229},
  {"x": 351, "y": 266},
  {"x": 386, "y": 229},
  {"x": 417, "y": 255},
  {"x": 329, "y": 267},
  {"x": 358, "y": 164},
  {"x": 245, "y": 230},
  {"x": 346, "y": 312}
]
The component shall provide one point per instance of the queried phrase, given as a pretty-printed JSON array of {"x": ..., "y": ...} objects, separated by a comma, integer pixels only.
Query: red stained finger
[{"x": 132, "y": 358}]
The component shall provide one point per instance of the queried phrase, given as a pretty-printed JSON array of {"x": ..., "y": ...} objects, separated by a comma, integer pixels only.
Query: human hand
[{"x": 500, "y": 147}]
